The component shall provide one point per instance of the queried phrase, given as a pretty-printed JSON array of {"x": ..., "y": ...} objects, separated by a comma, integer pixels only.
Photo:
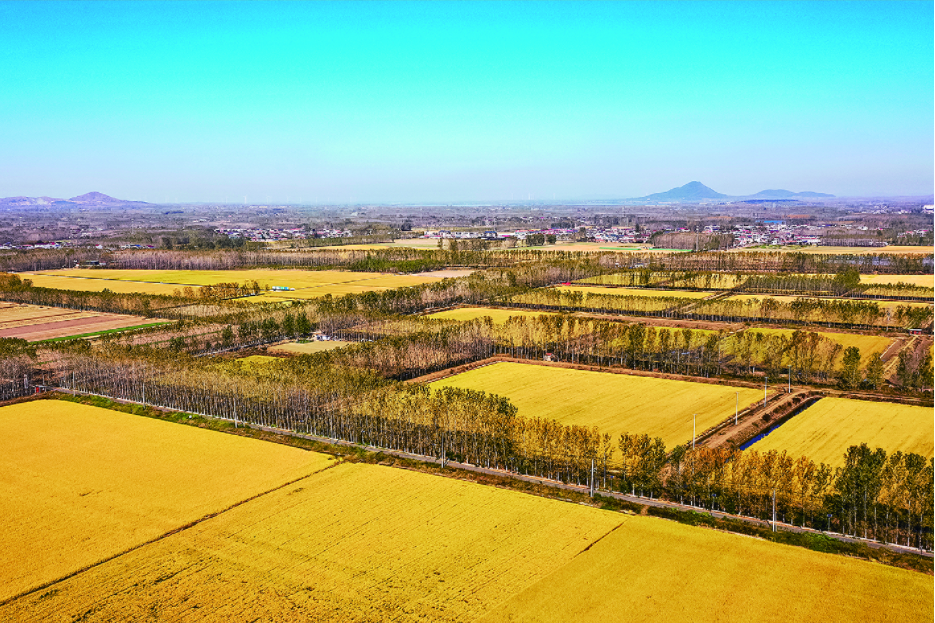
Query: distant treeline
[{"x": 401, "y": 259}]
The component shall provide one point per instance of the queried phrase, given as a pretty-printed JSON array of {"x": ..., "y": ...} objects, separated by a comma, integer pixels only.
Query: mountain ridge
[
  {"x": 92, "y": 198},
  {"x": 696, "y": 191}
]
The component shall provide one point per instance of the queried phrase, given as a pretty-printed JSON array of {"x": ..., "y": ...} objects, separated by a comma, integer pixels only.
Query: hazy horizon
[{"x": 446, "y": 103}]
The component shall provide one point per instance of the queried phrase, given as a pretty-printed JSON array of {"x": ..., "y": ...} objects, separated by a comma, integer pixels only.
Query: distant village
[{"x": 765, "y": 233}]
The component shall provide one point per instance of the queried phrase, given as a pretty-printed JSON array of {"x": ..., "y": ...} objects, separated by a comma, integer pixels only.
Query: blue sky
[{"x": 452, "y": 102}]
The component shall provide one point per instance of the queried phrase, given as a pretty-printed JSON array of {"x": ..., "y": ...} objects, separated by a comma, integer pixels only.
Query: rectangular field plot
[
  {"x": 370, "y": 543},
  {"x": 307, "y": 348},
  {"x": 652, "y": 570},
  {"x": 824, "y": 431},
  {"x": 35, "y": 322},
  {"x": 683, "y": 294},
  {"x": 352, "y": 543},
  {"x": 925, "y": 281},
  {"x": 869, "y": 345},
  {"x": 615, "y": 403},
  {"x": 306, "y": 284},
  {"x": 85, "y": 284},
  {"x": 79, "y": 484},
  {"x": 497, "y": 314}
]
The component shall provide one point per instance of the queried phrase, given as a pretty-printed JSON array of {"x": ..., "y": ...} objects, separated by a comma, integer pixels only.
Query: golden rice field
[
  {"x": 370, "y": 543},
  {"x": 788, "y": 299},
  {"x": 925, "y": 281},
  {"x": 352, "y": 543},
  {"x": 685, "y": 294},
  {"x": 652, "y": 570},
  {"x": 84, "y": 284},
  {"x": 720, "y": 281},
  {"x": 497, "y": 314},
  {"x": 615, "y": 403},
  {"x": 360, "y": 542},
  {"x": 307, "y": 348},
  {"x": 79, "y": 484},
  {"x": 869, "y": 345},
  {"x": 307, "y": 284},
  {"x": 825, "y": 431}
]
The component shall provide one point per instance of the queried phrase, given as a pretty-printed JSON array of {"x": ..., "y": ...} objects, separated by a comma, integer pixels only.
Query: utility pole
[
  {"x": 774, "y": 509},
  {"x": 694, "y": 421},
  {"x": 790, "y": 379},
  {"x": 592, "y": 477},
  {"x": 765, "y": 385},
  {"x": 736, "y": 408}
]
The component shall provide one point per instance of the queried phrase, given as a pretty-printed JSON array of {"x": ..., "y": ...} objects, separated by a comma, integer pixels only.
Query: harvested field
[
  {"x": 497, "y": 314},
  {"x": 352, "y": 543},
  {"x": 307, "y": 348},
  {"x": 35, "y": 322},
  {"x": 615, "y": 403},
  {"x": 450, "y": 273},
  {"x": 687, "y": 294},
  {"x": 651, "y": 570},
  {"x": 307, "y": 284},
  {"x": 81, "y": 484},
  {"x": 824, "y": 431}
]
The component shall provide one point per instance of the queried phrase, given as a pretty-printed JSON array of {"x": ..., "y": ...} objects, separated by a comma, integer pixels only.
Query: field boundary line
[
  {"x": 600, "y": 538},
  {"x": 174, "y": 531}
]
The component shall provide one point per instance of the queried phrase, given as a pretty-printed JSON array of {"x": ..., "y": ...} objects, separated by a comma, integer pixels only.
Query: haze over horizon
[{"x": 344, "y": 103}]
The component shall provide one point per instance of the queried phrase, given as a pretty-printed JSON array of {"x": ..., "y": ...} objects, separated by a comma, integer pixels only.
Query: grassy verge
[{"x": 815, "y": 542}]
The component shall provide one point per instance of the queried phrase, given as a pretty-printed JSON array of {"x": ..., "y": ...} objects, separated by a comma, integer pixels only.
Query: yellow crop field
[
  {"x": 925, "y": 281},
  {"x": 497, "y": 314},
  {"x": 307, "y": 284},
  {"x": 615, "y": 403},
  {"x": 869, "y": 345},
  {"x": 652, "y": 570},
  {"x": 371, "y": 543},
  {"x": 307, "y": 348},
  {"x": 79, "y": 484},
  {"x": 352, "y": 543},
  {"x": 84, "y": 284},
  {"x": 788, "y": 299},
  {"x": 825, "y": 430},
  {"x": 686, "y": 294}
]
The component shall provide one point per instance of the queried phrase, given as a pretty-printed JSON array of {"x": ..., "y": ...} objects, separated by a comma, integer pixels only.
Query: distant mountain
[
  {"x": 87, "y": 199},
  {"x": 696, "y": 191},
  {"x": 95, "y": 197},
  {"x": 692, "y": 191},
  {"x": 788, "y": 194}
]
